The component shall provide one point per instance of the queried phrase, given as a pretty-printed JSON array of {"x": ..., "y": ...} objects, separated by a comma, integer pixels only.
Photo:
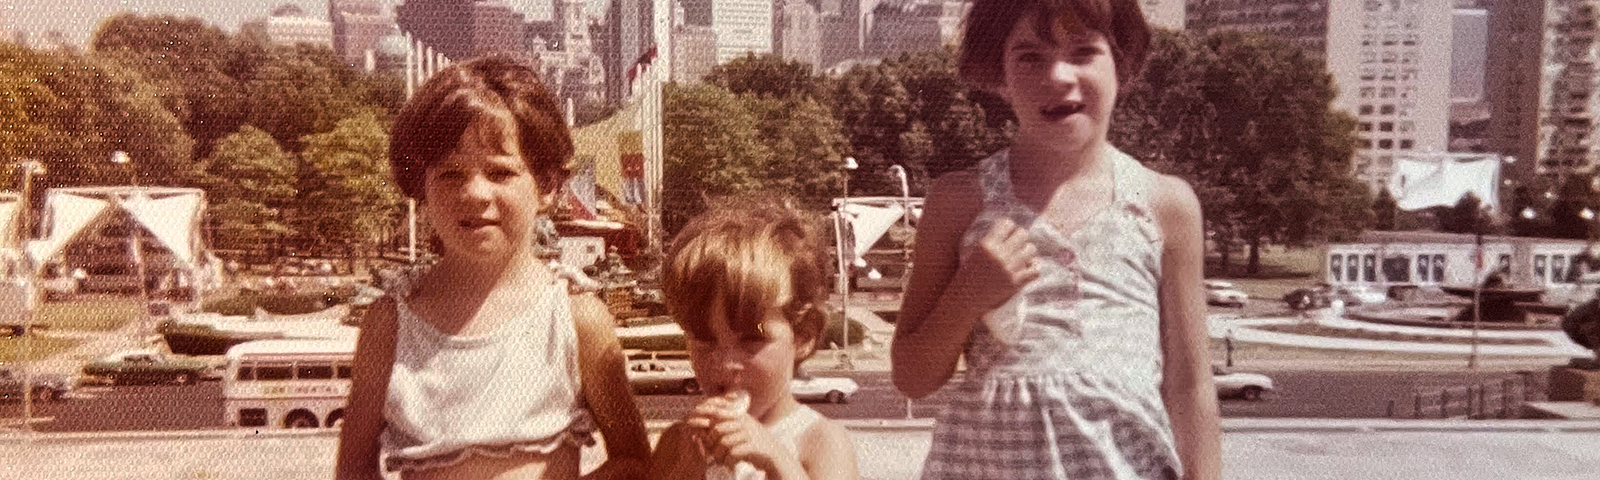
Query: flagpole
[{"x": 1477, "y": 292}]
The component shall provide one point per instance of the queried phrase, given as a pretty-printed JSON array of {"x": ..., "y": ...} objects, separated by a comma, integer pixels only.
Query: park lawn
[
  {"x": 91, "y": 314},
  {"x": 12, "y": 348},
  {"x": 1282, "y": 271}
]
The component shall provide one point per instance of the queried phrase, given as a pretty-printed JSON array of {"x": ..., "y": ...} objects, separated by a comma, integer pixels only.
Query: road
[{"x": 1299, "y": 394}]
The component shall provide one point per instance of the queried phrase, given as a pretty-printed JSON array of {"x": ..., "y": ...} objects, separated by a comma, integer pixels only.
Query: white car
[
  {"x": 1248, "y": 386},
  {"x": 828, "y": 389},
  {"x": 1359, "y": 295},
  {"x": 654, "y": 375},
  {"x": 1224, "y": 293}
]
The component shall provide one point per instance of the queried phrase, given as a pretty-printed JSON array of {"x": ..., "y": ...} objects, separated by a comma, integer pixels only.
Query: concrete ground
[{"x": 1252, "y": 449}]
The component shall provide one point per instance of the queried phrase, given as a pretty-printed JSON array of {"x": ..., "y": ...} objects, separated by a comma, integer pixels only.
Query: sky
[{"x": 77, "y": 19}]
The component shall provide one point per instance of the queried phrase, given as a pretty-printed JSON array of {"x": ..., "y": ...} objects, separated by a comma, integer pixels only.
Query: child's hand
[
  {"x": 731, "y": 436},
  {"x": 1002, "y": 263}
]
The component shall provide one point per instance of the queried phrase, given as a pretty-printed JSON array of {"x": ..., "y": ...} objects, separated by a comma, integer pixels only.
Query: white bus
[{"x": 287, "y": 383}]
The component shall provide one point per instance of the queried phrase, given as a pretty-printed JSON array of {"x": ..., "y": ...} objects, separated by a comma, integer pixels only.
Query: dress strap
[
  {"x": 1135, "y": 181},
  {"x": 994, "y": 178}
]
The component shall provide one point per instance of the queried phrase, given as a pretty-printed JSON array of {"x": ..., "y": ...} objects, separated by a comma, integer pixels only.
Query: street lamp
[
  {"x": 30, "y": 279},
  {"x": 120, "y": 157},
  {"x": 845, "y": 268}
]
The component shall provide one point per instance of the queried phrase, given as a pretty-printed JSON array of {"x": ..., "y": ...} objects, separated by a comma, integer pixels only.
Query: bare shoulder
[
  {"x": 591, "y": 316},
  {"x": 1175, "y": 202},
  {"x": 827, "y": 446}
]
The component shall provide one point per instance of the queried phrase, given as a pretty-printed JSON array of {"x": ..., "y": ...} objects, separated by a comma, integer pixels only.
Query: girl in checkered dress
[{"x": 1064, "y": 272}]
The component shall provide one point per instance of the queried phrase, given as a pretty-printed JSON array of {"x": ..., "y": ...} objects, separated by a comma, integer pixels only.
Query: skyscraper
[
  {"x": 628, "y": 35},
  {"x": 741, "y": 26},
  {"x": 462, "y": 29},
  {"x": 796, "y": 32},
  {"x": 358, "y": 26}
]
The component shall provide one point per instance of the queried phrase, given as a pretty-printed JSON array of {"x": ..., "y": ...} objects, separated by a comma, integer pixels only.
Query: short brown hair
[
  {"x": 990, "y": 22},
  {"x": 748, "y": 251},
  {"x": 496, "y": 88}
]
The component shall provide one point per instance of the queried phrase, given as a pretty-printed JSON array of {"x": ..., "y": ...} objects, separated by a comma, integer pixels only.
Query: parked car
[
  {"x": 1318, "y": 296},
  {"x": 656, "y": 375},
  {"x": 1359, "y": 295},
  {"x": 149, "y": 366},
  {"x": 828, "y": 389},
  {"x": 1248, "y": 386},
  {"x": 46, "y": 387},
  {"x": 1224, "y": 293}
]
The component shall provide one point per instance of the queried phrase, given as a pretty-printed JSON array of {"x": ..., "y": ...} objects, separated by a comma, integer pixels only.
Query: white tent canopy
[
  {"x": 172, "y": 215},
  {"x": 869, "y": 218},
  {"x": 10, "y": 209}
]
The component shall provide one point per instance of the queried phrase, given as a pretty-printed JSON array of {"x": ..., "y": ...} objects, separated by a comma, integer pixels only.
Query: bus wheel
[
  {"x": 336, "y": 419},
  {"x": 300, "y": 420}
]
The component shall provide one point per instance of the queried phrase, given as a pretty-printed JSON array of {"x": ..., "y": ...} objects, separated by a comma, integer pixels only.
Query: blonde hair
[{"x": 750, "y": 255}]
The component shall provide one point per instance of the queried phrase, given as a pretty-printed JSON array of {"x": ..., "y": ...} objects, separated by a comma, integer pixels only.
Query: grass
[
  {"x": 11, "y": 348},
  {"x": 1325, "y": 331},
  {"x": 1282, "y": 271},
  {"x": 94, "y": 314}
]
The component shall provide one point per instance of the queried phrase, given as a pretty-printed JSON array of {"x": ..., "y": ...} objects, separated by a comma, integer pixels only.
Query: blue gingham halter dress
[{"x": 1064, "y": 380}]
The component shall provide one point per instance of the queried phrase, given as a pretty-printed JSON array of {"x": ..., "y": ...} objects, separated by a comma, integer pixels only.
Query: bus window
[
  {"x": 246, "y": 373},
  {"x": 274, "y": 372},
  {"x": 343, "y": 371},
  {"x": 313, "y": 372}
]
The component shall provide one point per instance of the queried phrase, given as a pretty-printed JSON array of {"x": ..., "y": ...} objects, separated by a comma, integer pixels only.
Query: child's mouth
[
  {"x": 476, "y": 223},
  {"x": 1056, "y": 113}
]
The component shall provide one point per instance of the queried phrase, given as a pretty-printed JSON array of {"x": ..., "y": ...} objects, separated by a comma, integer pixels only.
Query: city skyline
[{"x": 77, "y": 20}]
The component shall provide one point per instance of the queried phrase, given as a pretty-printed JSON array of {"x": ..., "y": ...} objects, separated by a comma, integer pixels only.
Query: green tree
[
  {"x": 1465, "y": 217},
  {"x": 1383, "y": 210},
  {"x": 805, "y": 145},
  {"x": 766, "y": 75},
  {"x": 298, "y": 92},
  {"x": 713, "y": 148},
  {"x": 187, "y": 59},
  {"x": 1287, "y": 158},
  {"x": 347, "y": 199},
  {"x": 248, "y": 178}
]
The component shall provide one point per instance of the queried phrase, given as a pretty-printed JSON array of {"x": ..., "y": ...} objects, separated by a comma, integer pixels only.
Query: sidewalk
[
  {"x": 1252, "y": 449},
  {"x": 1558, "y": 345}
]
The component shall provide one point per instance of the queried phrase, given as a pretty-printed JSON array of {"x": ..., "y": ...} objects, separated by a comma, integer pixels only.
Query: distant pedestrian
[
  {"x": 1065, "y": 272},
  {"x": 483, "y": 365}
]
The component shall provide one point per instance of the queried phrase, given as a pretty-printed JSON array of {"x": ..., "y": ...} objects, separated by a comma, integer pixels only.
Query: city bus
[{"x": 287, "y": 383}]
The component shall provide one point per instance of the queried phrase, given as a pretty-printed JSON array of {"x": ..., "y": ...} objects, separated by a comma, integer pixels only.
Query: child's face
[
  {"x": 1059, "y": 87},
  {"x": 761, "y": 362},
  {"x": 482, "y": 199}
]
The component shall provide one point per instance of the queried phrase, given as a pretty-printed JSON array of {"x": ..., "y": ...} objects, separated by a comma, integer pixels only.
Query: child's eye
[{"x": 1030, "y": 57}]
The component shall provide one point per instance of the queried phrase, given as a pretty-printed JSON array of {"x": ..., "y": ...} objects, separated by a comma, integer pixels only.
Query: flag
[{"x": 1436, "y": 180}]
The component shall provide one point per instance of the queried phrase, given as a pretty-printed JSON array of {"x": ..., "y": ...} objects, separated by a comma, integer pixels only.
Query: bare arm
[
  {"x": 828, "y": 452},
  {"x": 1187, "y": 388},
  {"x": 678, "y": 455},
  {"x": 369, "y": 386},
  {"x": 605, "y": 387},
  {"x": 945, "y": 299}
]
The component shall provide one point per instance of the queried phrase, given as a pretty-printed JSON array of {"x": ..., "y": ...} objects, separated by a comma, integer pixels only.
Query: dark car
[
  {"x": 148, "y": 366},
  {"x": 46, "y": 387},
  {"x": 1318, "y": 296}
]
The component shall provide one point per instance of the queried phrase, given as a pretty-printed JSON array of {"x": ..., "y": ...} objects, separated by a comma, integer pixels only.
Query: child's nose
[{"x": 1063, "y": 72}]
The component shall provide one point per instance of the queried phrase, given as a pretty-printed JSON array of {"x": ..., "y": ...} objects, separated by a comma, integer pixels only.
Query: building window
[
  {"x": 1397, "y": 268},
  {"x": 1387, "y": 92},
  {"x": 1386, "y": 110},
  {"x": 1386, "y": 126},
  {"x": 1366, "y": 143},
  {"x": 1558, "y": 269},
  {"x": 1407, "y": 126},
  {"x": 1538, "y": 267},
  {"x": 1505, "y": 264},
  {"x": 1423, "y": 270},
  {"x": 1438, "y": 267},
  {"x": 1366, "y": 110},
  {"x": 1405, "y": 144},
  {"x": 1336, "y": 267},
  {"x": 1369, "y": 267},
  {"x": 1364, "y": 126},
  {"x": 1352, "y": 267},
  {"x": 1386, "y": 144}
]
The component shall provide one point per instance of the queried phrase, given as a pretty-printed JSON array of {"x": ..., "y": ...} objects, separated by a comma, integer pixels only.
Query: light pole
[
  {"x": 846, "y": 267},
  {"x": 899, "y": 173},
  {"x": 135, "y": 247},
  {"x": 30, "y": 280}
]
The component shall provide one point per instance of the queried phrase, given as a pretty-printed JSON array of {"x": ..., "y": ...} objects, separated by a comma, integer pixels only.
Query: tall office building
[
  {"x": 904, "y": 26},
  {"x": 1164, "y": 13},
  {"x": 462, "y": 29},
  {"x": 845, "y": 31},
  {"x": 289, "y": 25},
  {"x": 627, "y": 35},
  {"x": 358, "y": 27},
  {"x": 1390, "y": 60},
  {"x": 1512, "y": 82},
  {"x": 694, "y": 52},
  {"x": 1305, "y": 23},
  {"x": 797, "y": 32},
  {"x": 741, "y": 26},
  {"x": 1568, "y": 98}
]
